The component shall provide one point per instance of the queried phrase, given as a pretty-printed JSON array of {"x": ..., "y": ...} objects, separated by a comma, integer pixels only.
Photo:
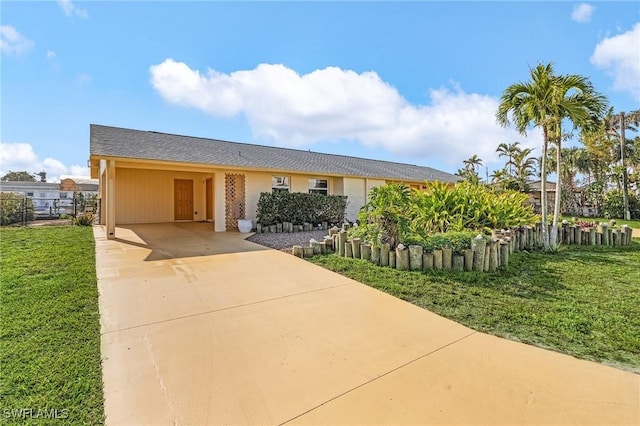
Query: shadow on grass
[
  {"x": 529, "y": 276},
  {"x": 579, "y": 301}
]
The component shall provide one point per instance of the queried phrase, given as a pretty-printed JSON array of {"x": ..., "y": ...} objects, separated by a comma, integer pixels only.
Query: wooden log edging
[{"x": 485, "y": 254}]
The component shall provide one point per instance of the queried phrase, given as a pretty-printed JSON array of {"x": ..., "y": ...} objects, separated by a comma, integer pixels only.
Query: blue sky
[{"x": 414, "y": 82}]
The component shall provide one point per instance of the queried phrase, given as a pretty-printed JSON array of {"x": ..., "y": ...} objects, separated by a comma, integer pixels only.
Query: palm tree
[
  {"x": 527, "y": 103},
  {"x": 544, "y": 102},
  {"x": 633, "y": 118},
  {"x": 575, "y": 99},
  {"x": 525, "y": 167},
  {"x": 470, "y": 172},
  {"x": 508, "y": 150},
  {"x": 501, "y": 178},
  {"x": 473, "y": 162},
  {"x": 604, "y": 147}
]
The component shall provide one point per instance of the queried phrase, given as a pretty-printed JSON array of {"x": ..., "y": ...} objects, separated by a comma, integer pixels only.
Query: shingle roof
[{"x": 138, "y": 144}]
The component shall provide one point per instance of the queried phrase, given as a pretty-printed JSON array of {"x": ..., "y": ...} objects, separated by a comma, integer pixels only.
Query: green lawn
[
  {"x": 50, "y": 334},
  {"x": 580, "y": 301}
]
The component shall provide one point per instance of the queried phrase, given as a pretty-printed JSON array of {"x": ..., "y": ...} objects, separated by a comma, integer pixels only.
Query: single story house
[{"x": 151, "y": 177}]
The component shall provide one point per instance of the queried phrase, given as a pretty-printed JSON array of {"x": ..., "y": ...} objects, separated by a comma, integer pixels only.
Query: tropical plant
[
  {"x": 613, "y": 205},
  {"x": 571, "y": 165},
  {"x": 84, "y": 219},
  {"x": 545, "y": 101},
  {"x": 386, "y": 215},
  {"x": 509, "y": 151},
  {"x": 576, "y": 100},
  {"x": 469, "y": 172},
  {"x": 502, "y": 179},
  {"x": 524, "y": 167},
  {"x": 518, "y": 169},
  {"x": 397, "y": 214}
]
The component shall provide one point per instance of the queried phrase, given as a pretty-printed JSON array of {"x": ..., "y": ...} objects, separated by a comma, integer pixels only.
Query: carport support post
[{"x": 111, "y": 199}]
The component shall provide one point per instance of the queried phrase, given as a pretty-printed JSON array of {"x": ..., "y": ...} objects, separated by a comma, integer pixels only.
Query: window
[
  {"x": 280, "y": 184},
  {"x": 63, "y": 195},
  {"x": 318, "y": 186},
  {"x": 29, "y": 194}
]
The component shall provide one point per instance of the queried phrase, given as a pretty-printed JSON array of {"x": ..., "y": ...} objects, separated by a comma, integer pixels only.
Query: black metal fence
[{"x": 20, "y": 209}]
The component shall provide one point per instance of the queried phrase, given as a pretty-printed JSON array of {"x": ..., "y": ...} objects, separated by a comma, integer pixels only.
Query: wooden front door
[
  {"x": 183, "y": 199},
  {"x": 209, "y": 198}
]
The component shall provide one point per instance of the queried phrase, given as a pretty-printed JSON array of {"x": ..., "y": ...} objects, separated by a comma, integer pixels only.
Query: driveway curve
[{"x": 204, "y": 328}]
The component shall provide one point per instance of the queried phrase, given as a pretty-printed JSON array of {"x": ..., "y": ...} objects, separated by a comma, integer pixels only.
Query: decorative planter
[{"x": 244, "y": 225}]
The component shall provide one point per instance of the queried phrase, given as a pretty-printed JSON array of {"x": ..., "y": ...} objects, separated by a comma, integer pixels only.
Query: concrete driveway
[{"x": 204, "y": 328}]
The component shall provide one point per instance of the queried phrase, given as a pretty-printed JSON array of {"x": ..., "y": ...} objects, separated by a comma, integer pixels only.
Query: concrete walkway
[{"x": 204, "y": 328}]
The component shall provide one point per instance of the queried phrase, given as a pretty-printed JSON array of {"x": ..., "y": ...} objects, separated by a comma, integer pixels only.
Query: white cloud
[
  {"x": 332, "y": 104},
  {"x": 70, "y": 9},
  {"x": 17, "y": 157},
  {"x": 582, "y": 13},
  {"x": 11, "y": 41},
  {"x": 619, "y": 56}
]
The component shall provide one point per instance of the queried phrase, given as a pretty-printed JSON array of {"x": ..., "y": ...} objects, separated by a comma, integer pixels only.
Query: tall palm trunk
[
  {"x": 553, "y": 238},
  {"x": 543, "y": 187}
]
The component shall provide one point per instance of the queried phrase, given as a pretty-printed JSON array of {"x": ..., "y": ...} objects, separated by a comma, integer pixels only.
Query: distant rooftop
[
  {"x": 21, "y": 185},
  {"x": 106, "y": 141}
]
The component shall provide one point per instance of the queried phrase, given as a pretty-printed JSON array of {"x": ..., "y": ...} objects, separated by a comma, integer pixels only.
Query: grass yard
[
  {"x": 581, "y": 301},
  {"x": 50, "y": 335}
]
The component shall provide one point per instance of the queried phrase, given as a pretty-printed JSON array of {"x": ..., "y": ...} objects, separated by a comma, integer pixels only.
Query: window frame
[
  {"x": 315, "y": 189},
  {"x": 285, "y": 187}
]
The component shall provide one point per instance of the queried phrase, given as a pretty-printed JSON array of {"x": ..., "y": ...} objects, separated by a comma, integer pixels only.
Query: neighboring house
[
  {"x": 44, "y": 195},
  {"x": 535, "y": 195},
  {"x": 580, "y": 206},
  {"x": 51, "y": 199},
  {"x": 151, "y": 177},
  {"x": 84, "y": 186}
]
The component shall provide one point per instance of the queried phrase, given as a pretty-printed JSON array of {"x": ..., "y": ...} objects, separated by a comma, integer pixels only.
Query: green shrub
[
  {"x": 386, "y": 217},
  {"x": 445, "y": 208},
  {"x": 298, "y": 207},
  {"x": 457, "y": 241},
  {"x": 396, "y": 214},
  {"x": 84, "y": 219},
  {"x": 13, "y": 208},
  {"x": 613, "y": 206}
]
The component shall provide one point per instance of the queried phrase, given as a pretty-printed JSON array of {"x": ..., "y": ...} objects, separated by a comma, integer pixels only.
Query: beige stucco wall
[
  {"x": 255, "y": 184},
  {"x": 355, "y": 190},
  {"x": 146, "y": 196},
  {"x": 373, "y": 183},
  {"x": 337, "y": 185}
]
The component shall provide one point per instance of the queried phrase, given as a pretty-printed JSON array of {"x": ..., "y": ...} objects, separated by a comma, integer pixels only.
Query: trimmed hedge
[{"x": 298, "y": 207}]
